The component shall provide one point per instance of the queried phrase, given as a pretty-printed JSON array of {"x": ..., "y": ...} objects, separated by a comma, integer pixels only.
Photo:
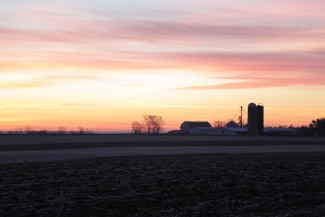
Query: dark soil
[{"x": 200, "y": 185}]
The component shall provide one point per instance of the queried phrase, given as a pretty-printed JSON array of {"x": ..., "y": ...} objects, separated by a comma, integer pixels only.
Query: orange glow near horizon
[{"x": 103, "y": 64}]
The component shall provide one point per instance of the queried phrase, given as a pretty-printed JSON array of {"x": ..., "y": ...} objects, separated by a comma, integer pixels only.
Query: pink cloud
[
  {"x": 237, "y": 64},
  {"x": 87, "y": 41},
  {"x": 149, "y": 31},
  {"x": 259, "y": 82},
  {"x": 243, "y": 63},
  {"x": 72, "y": 25}
]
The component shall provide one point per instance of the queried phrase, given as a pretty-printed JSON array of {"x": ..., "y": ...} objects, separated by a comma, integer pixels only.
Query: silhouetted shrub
[{"x": 317, "y": 127}]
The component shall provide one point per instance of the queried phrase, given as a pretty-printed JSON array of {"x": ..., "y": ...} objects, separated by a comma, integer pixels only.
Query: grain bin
[
  {"x": 260, "y": 119},
  {"x": 252, "y": 119}
]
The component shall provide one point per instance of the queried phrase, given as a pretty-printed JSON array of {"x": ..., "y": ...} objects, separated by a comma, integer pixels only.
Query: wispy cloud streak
[
  {"x": 260, "y": 82},
  {"x": 99, "y": 39}
]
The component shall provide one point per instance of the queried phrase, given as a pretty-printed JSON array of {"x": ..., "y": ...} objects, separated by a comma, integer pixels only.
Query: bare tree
[
  {"x": 61, "y": 130},
  {"x": 153, "y": 124},
  {"x": 28, "y": 130},
  {"x": 157, "y": 123},
  {"x": 219, "y": 124},
  {"x": 81, "y": 130},
  {"x": 137, "y": 127},
  {"x": 147, "y": 123},
  {"x": 17, "y": 131}
]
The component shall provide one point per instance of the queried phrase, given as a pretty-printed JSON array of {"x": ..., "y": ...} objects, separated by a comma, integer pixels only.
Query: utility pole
[{"x": 241, "y": 117}]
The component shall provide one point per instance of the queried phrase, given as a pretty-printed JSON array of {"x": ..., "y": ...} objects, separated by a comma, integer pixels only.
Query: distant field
[
  {"x": 44, "y": 142},
  {"x": 190, "y": 185}
]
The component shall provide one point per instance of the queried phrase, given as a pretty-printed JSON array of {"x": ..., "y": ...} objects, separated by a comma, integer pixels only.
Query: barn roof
[
  {"x": 232, "y": 124},
  {"x": 192, "y": 124}
]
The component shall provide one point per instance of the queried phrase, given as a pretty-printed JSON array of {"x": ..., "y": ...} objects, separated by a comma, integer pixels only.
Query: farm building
[
  {"x": 211, "y": 131},
  {"x": 203, "y": 128},
  {"x": 232, "y": 124},
  {"x": 187, "y": 125}
]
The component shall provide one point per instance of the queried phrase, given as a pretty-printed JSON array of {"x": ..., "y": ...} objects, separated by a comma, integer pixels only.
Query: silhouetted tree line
[
  {"x": 219, "y": 124},
  {"x": 315, "y": 128},
  {"x": 318, "y": 127},
  {"x": 61, "y": 130},
  {"x": 150, "y": 124}
]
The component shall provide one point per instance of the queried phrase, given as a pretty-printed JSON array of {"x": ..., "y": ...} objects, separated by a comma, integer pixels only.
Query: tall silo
[
  {"x": 260, "y": 119},
  {"x": 252, "y": 119}
]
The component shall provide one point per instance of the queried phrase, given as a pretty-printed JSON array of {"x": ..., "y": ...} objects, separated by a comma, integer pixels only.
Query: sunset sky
[{"x": 102, "y": 64}]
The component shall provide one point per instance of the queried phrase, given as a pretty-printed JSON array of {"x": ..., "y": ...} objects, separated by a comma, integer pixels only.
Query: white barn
[
  {"x": 204, "y": 128},
  {"x": 187, "y": 125}
]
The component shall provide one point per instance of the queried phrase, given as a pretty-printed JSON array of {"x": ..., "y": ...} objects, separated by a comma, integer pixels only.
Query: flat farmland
[
  {"x": 286, "y": 179},
  {"x": 263, "y": 184},
  {"x": 46, "y": 142}
]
